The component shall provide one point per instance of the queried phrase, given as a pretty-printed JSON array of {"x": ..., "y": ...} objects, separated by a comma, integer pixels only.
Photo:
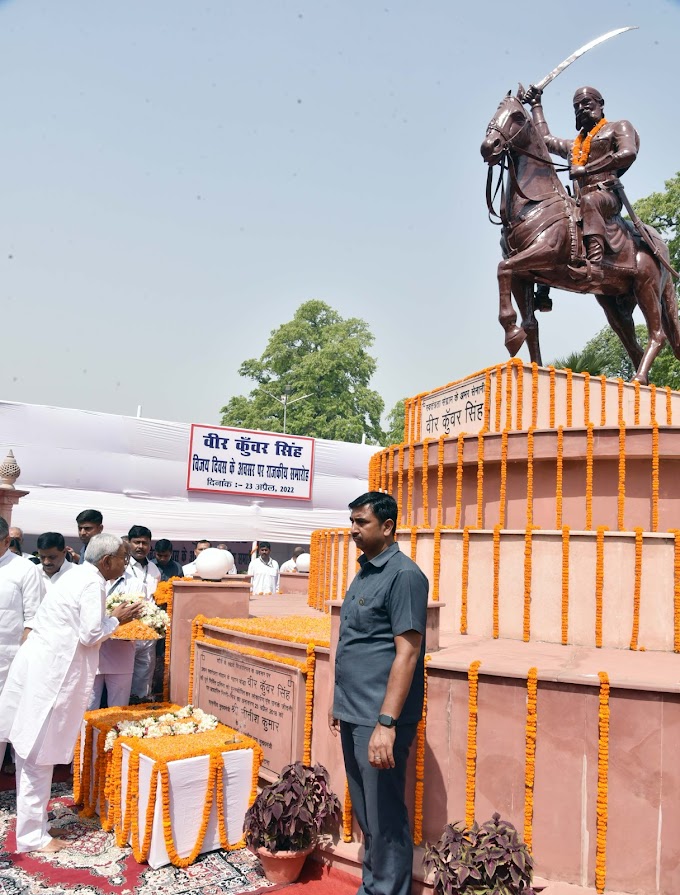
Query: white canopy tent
[{"x": 135, "y": 470}]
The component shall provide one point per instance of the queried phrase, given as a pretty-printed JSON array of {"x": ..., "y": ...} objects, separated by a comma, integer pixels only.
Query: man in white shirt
[
  {"x": 53, "y": 563},
  {"x": 290, "y": 564},
  {"x": 264, "y": 571},
  {"x": 189, "y": 570},
  {"x": 142, "y": 577},
  {"x": 21, "y": 591},
  {"x": 116, "y": 659},
  {"x": 48, "y": 686}
]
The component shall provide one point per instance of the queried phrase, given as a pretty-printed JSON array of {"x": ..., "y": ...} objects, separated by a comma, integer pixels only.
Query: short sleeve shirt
[{"x": 388, "y": 597}]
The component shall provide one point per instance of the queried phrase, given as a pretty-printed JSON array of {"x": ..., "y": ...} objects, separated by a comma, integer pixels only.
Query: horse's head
[{"x": 507, "y": 128}]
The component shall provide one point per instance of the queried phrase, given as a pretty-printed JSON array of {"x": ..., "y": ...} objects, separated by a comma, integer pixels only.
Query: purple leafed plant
[
  {"x": 289, "y": 814},
  {"x": 486, "y": 860}
]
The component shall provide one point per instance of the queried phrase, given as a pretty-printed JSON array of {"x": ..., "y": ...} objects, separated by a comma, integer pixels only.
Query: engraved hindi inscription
[{"x": 254, "y": 696}]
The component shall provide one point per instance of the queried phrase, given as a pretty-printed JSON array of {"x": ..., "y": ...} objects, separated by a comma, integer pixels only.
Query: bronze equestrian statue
[{"x": 580, "y": 243}]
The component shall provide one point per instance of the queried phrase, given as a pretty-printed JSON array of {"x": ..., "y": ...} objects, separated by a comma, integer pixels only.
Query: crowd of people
[{"x": 57, "y": 656}]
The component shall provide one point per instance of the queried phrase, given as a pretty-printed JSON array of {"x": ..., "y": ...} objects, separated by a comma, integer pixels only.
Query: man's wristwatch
[{"x": 387, "y": 720}]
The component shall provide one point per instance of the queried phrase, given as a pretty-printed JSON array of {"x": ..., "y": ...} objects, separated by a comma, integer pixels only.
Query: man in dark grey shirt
[{"x": 378, "y": 696}]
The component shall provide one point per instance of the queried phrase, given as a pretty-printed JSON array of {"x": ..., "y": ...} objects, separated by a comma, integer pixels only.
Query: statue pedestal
[
  {"x": 9, "y": 497},
  {"x": 214, "y": 599},
  {"x": 293, "y": 582}
]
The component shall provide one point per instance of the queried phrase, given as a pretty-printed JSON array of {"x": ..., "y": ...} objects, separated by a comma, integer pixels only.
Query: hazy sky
[{"x": 176, "y": 178}]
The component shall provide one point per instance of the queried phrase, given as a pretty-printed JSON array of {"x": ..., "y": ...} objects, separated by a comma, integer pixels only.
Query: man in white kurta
[
  {"x": 116, "y": 661},
  {"x": 142, "y": 577},
  {"x": 50, "y": 681},
  {"x": 264, "y": 571},
  {"x": 21, "y": 591},
  {"x": 52, "y": 555}
]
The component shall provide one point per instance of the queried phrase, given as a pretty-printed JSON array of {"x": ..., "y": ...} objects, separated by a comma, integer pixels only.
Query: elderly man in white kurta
[
  {"x": 21, "y": 591},
  {"x": 50, "y": 681}
]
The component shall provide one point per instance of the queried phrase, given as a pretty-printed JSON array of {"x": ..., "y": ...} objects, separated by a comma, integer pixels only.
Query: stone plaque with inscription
[
  {"x": 458, "y": 408},
  {"x": 255, "y": 696}
]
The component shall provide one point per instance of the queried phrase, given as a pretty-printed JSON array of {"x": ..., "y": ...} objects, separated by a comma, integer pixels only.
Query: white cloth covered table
[{"x": 188, "y": 780}]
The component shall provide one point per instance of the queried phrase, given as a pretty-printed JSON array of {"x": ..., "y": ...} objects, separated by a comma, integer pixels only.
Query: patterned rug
[{"x": 94, "y": 865}]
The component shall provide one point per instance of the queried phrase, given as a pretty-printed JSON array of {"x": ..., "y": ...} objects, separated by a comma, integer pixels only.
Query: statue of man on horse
[
  {"x": 600, "y": 153},
  {"x": 579, "y": 243}
]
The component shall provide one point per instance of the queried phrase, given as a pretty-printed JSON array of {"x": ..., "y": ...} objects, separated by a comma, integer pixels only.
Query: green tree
[
  {"x": 323, "y": 357},
  {"x": 395, "y": 424},
  {"x": 662, "y": 211}
]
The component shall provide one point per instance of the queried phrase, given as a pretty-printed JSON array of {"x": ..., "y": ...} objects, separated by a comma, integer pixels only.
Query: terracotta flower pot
[{"x": 282, "y": 866}]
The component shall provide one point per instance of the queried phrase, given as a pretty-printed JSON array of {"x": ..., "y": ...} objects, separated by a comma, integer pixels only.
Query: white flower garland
[
  {"x": 153, "y": 615},
  {"x": 180, "y": 723}
]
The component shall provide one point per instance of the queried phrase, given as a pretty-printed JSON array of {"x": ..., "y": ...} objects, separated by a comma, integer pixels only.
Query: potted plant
[
  {"x": 480, "y": 860},
  {"x": 282, "y": 825}
]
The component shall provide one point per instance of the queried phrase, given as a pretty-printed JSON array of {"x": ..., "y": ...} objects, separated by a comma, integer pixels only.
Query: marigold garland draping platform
[
  {"x": 549, "y": 529},
  {"x": 207, "y": 781}
]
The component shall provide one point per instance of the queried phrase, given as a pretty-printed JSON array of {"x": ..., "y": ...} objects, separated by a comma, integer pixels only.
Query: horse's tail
[{"x": 669, "y": 308}]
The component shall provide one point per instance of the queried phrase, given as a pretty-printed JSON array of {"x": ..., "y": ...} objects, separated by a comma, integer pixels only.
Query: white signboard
[
  {"x": 243, "y": 461},
  {"x": 459, "y": 408}
]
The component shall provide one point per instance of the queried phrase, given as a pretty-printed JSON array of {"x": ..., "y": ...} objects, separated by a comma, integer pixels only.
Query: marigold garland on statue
[
  {"x": 400, "y": 484},
  {"x": 580, "y": 150},
  {"x": 325, "y": 596},
  {"x": 459, "y": 479},
  {"x": 669, "y": 412},
  {"x": 589, "y": 476},
  {"x": 486, "y": 425},
  {"x": 499, "y": 396},
  {"x": 336, "y": 564},
  {"x": 520, "y": 392},
  {"x": 637, "y": 588},
  {"x": 559, "y": 473},
  {"x": 465, "y": 577},
  {"x": 347, "y": 815},
  {"x": 586, "y": 398},
  {"x": 424, "y": 483},
  {"x": 471, "y": 755},
  {"x": 345, "y": 560},
  {"x": 530, "y": 477},
  {"x": 603, "y": 401},
  {"x": 419, "y": 407},
  {"x": 552, "y": 398},
  {"x": 655, "y": 476},
  {"x": 414, "y": 542},
  {"x": 289, "y": 628},
  {"x": 570, "y": 378},
  {"x": 602, "y": 784},
  {"x": 676, "y": 590},
  {"x": 390, "y": 468},
  {"x": 480, "y": 480},
  {"x": 565, "y": 585},
  {"x": 621, "y": 501},
  {"x": 508, "y": 395},
  {"x": 619, "y": 395},
  {"x": 420, "y": 766},
  {"x": 636, "y": 403},
  {"x": 309, "y": 704},
  {"x": 409, "y": 483},
  {"x": 436, "y": 563},
  {"x": 526, "y": 617},
  {"x": 504, "y": 479},
  {"x": 495, "y": 598},
  {"x": 599, "y": 583},
  {"x": 440, "y": 480},
  {"x": 534, "y": 395},
  {"x": 530, "y": 756}
]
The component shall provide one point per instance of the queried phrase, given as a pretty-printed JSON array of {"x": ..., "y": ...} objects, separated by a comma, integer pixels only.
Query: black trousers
[{"x": 380, "y": 809}]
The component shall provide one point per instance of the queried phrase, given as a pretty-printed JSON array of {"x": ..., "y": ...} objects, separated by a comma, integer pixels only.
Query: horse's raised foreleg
[
  {"x": 619, "y": 314},
  {"x": 507, "y": 316},
  {"x": 648, "y": 297},
  {"x": 523, "y": 290}
]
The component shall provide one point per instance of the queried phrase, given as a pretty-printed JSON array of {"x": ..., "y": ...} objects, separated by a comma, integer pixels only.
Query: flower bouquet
[
  {"x": 184, "y": 721},
  {"x": 151, "y": 625}
]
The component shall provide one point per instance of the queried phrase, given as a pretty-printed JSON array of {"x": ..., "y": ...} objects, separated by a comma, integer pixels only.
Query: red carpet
[{"x": 94, "y": 865}]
